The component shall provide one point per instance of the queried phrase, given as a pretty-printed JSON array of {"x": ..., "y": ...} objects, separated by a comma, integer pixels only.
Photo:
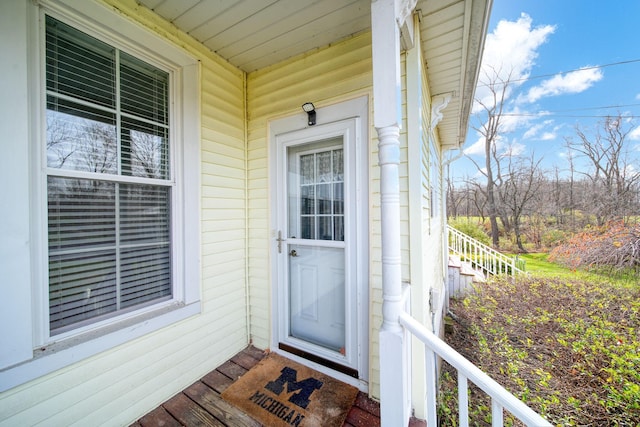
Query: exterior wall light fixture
[{"x": 311, "y": 112}]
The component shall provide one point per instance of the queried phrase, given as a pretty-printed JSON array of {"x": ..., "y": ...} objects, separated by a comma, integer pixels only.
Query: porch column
[{"x": 386, "y": 17}]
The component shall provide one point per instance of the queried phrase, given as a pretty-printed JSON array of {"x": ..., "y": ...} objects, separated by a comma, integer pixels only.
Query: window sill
[{"x": 72, "y": 350}]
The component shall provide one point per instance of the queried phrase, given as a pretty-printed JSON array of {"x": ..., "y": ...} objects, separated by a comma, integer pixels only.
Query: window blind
[{"x": 109, "y": 237}]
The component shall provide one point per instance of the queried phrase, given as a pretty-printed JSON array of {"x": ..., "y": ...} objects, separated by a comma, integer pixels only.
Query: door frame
[{"x": 355, "y": 111}]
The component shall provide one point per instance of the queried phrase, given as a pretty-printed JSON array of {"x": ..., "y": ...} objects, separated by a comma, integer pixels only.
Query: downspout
[{"x": 439, "y": 103}]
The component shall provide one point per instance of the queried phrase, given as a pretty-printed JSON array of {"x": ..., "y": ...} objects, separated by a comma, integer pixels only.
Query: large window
[
  {"x": 101, "y": 203},
  {"x": 109, "y": 181}
]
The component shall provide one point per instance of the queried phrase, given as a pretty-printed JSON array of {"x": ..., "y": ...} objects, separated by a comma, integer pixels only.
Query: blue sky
[{"x": 570, "y": 60}]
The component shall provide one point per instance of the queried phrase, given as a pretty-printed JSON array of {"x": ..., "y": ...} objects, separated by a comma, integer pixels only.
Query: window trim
[{"x": 37, "y": 353}]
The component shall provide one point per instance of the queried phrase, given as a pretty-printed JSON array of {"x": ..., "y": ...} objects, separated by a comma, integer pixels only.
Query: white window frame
[{"x": 33, "y": 352}]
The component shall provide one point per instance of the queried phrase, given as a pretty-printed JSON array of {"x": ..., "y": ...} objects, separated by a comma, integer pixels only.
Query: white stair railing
[
  {"x": 480, "y": 255},
  {"x": 501, "y": 399}
]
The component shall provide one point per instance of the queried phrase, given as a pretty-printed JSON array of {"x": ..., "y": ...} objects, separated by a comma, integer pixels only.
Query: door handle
[
  {"x": 293, "y": 253},
  {"x": 280, "y": 240}
]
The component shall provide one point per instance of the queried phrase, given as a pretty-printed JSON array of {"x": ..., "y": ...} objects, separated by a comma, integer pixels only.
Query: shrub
[
  {"x": 552, "y": 238},
  {"x": 471, "y": 229}
]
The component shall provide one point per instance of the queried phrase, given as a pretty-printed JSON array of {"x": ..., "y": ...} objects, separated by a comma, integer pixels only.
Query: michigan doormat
[{"x": 280, "y": 392}]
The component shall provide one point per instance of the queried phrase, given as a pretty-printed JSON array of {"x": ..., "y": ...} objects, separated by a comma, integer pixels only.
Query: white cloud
[
  {"x": 539, "y": 131},
  {"x": 533, "y": 131},
  {"x": 548, "y": 136},
  {"x": 634, "y": 135},
  {"x": 475, "y": 149},
  {"x": 509, "y": 54},
  {"x": 503, "y": 147},
  {"x": 514, "y": 149},
  {"x": 572, "y": 82},
  {"x": 638, "y": 96}
]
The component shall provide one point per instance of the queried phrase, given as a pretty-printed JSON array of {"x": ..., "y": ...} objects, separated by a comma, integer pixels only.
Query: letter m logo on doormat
[{"x": 289, "y": 378}]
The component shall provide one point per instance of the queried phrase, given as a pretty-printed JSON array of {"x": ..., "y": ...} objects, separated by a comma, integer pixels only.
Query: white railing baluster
[
  {"x": 490, "y": 260},
  {"x": 496, "y": 414},
  {"x": 500, "y": 397},
  {"x": 463, "y": 400},
  {"x": 432, "y": 394}
]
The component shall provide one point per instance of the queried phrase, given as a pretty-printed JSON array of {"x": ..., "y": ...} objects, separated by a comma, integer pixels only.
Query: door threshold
[{"x": 319, "y": 360}]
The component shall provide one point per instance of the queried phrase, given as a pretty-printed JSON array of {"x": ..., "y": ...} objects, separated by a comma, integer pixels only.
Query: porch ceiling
[{"x": 253, "y": 34}]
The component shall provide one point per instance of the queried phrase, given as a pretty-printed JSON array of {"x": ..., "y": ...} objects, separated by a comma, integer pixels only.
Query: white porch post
[{"x": 394, "y": 379}]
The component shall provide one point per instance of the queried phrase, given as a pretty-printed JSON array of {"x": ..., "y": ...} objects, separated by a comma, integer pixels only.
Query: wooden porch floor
[{"x": 201, "y": 405}]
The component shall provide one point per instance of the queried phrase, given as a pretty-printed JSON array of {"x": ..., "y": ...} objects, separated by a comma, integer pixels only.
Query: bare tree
[
  {"x": 491, "y": 128},
  {"x": 522, "y": 180},
  {"x": 614, "y": 174}
]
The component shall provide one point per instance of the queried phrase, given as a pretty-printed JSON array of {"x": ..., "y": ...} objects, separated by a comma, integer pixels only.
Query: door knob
[{"x": 293, "y": 253}]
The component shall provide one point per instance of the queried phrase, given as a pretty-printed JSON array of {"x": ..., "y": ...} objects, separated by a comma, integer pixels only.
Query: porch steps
[{"x": 462, "y": 276}]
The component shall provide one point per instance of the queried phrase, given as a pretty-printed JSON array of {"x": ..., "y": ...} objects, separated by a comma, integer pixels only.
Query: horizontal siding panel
[
  {"x": 225, "y": 113},
  {"x": 263, "y": 79},
  {"x": 217, "y": 143},
  {"x": 223, "y": 236},
  {"x": 257, "y": 151},
  {"x": 221, "y": 181},
  {"x": 212, "y": 121},
  {"x": 219, "y": 175},
  {"x": 221, "y": 87},
  {"x": 220, "y": 164},
  {"x": 219, "y": 193},
  {"x": 258, "y": 173},
  {"x": 222, "y": 214},
  {"x": 227, "y": 296},
  {"x": 258, "y": 184},
  {"x": 213, "y": 255},
  {"x": 217, "y": 204},
  {"x": 343, "y": 67},
  {"x": 294, "y": 101},
  {"x": 215, "y": 270}
]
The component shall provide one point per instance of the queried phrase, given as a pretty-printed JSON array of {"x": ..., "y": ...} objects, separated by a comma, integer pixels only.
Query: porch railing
[
  {"x": 482, "y": 256},
  {"x": 467, "y": 371}
]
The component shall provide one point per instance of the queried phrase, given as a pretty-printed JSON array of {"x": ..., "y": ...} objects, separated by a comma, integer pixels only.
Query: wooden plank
[
  {"x": 245, "y": 360},
  {"x": 158, "y": 417},
  {"x": 254, "y": 352},
  {"x": 216, "y": 406},
  {"x": 217, "y": 381},
  {"x": 232, "y": 370},
  {"x": 189, "y": 413}
]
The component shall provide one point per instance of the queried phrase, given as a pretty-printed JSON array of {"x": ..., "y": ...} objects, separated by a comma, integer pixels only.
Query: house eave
[{"x": 255, "y": 35}]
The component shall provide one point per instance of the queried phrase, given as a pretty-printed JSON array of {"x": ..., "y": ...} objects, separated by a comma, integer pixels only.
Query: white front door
[{"x": 317, "y": 248}]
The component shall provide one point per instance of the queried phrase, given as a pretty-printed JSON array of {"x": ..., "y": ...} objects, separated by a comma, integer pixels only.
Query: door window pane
[{"x": 316, "y": 192}]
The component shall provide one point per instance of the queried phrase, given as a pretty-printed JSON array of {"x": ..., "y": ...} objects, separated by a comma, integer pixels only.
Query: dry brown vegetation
[{"x": 570, "y": 348}]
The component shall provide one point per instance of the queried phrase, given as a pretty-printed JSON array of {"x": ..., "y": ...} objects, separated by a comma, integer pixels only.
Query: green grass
[{"x": 538, "y": 264}]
